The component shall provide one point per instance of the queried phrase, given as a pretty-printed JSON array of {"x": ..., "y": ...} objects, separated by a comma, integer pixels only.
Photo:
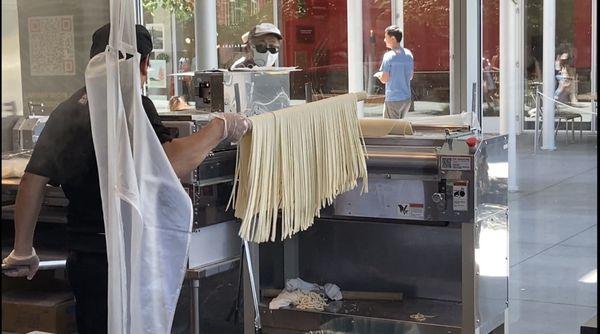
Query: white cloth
[
  {"x": 284, "y": 299},
  {"x": 296, "y": 287},
  {"x": 147, "y": 213},
  {"x": 331, "y": 290},
  {"x": 300, "y": 284}
]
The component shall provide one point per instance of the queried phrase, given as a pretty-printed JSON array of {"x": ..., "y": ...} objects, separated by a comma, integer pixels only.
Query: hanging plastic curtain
[{"x": 147, "y": 213}]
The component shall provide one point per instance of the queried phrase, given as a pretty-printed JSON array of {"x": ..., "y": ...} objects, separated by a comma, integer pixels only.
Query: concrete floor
[{"x": 553, "y": 238}]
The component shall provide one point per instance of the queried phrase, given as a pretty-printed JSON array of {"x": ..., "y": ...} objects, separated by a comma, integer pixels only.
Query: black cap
[{"x": 100, "y": 40}]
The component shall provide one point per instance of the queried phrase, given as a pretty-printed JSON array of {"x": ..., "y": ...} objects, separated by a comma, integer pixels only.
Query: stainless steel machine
[
  {"x": 215, "y": 237},
  {"x": 215, "y": 245},
  {"x": 251, "y": 92},
  {"x": 28, "y": 128},
  {"x": 433, "y": 226},
  {"x": 209, "y": 186},
  {"x": 26, "y": 132}
]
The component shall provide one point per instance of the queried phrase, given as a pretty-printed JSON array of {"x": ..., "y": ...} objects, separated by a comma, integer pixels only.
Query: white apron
[{"x": 147, "y": 213}]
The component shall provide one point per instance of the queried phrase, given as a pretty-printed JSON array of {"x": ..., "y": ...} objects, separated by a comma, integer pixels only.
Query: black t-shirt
[{"x": 65, "y": 153}]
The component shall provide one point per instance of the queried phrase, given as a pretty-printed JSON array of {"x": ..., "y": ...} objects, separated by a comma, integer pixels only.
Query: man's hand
[
  {"x": 19, "y": 265},
  {"x": 235, "y": 125},
  {"x": 186, "y": 153}
]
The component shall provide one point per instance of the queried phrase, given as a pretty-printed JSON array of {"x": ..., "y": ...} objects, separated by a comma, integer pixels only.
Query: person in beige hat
[
  {"x": 565, "y": 77},
  {"x": 262, "y": 47}
]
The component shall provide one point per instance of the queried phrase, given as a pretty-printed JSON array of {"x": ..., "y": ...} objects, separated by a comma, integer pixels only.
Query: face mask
[
  {"x": 272, "y": 58},
  {"x": 266, "y": 59}
]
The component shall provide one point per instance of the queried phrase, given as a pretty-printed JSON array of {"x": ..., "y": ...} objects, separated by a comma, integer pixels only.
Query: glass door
[{"x": 573, "y": 60}]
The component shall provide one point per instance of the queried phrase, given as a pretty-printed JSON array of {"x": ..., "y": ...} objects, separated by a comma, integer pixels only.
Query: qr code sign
[
  {"x": 455, "y": 163},
  {"x": 446, "y": 163},
  {"x": 51, "y": 45}
]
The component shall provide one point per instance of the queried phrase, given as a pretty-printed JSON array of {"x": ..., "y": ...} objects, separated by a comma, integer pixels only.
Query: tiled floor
[{"x": 553, "y": 238}]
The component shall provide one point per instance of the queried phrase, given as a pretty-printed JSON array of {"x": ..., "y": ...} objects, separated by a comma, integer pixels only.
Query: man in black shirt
[{"x": 64, "y": 155}]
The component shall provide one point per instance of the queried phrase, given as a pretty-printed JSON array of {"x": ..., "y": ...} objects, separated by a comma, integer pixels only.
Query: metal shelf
[{"x": 368, "y": 317}]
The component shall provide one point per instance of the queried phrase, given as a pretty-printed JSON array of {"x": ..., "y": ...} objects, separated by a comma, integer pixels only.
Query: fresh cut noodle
[
  {"x": 381, "y": 127},
  {"x": 296, "y": 161}
]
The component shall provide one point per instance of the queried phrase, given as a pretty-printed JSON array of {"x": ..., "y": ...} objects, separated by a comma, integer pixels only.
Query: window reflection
[
  {"x": 161, "y": 85},
  {"x": 573, "y": 71},
  {"x": 234, "y": 19},
  {"x": 174, "y": 38},
  {"x": 315, "y": 39},
  {"x": 427, "y": 35},
  {"x": 490, "y": 61},
  {"x": 377, "y": 15},
  {"x": 426, "y": 27},
  {"x": 315, "y": 35}
]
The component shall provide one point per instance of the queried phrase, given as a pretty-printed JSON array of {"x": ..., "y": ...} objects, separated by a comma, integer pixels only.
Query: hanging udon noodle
[{"x": 296, "y": 161}]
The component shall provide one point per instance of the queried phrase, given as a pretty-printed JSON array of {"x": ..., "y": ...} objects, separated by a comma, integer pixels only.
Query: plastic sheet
[{"x": 147, "y": 213}]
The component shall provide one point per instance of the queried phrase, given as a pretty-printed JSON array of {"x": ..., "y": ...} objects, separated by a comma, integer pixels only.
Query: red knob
[{"x": 471, "y": 141}]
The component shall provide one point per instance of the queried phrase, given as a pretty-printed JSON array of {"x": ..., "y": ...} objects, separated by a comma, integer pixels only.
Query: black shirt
[{"x": 65, "y": 153}]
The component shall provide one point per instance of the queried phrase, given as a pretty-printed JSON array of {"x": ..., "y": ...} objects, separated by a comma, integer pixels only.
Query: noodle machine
[
  {"x": 251, "y": 91},
  {"x": 215, "y": 246},
  {"x": 433, "y": 227},
  {"x": 214, "y": 238}
]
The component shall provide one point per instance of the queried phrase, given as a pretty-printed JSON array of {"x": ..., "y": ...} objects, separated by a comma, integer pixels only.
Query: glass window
[
  {"x": 573, "y": 44},
  {"x": 490, "y": 58},
  {"x": 174, "y": 56},
  {"x": 163, "y": 59},
  {"x": 427, "y": 35},
  {"x": 426, "y": 27},
  {"x": 46, "y": 48},
  {"x": 315, "y": 35},
  {"x": 316, "y": 41},
  {"x": 185, "y": 51},
  {"x": 234, "y": 19},
  {"x": 377, "y": 15},
  {"x": 45, "y": 51}
]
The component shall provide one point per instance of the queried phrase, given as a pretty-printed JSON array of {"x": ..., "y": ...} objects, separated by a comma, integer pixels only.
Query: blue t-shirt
[{"x": 400, "y": 65}]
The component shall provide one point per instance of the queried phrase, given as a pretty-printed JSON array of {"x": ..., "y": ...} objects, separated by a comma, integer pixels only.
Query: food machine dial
[{"x": 438, "y": 198}]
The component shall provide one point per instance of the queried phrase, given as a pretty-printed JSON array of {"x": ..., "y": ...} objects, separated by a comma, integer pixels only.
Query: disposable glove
[
  {"x": 236, "y": 125},
  {"x": 19, "y": 266}
]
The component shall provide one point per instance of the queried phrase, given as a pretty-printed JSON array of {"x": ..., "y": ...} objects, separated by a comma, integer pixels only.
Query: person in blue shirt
[{"x": 396, "y": 72}]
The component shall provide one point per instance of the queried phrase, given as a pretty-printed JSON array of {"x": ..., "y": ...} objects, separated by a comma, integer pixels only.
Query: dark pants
[
  {"x": 396, "y": 109},
  {"x": 88, "y": 276}
]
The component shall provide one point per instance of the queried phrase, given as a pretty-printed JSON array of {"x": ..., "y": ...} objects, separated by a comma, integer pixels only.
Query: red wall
[
  {"x": 328, "y": 40},
  {"x": 427, "y": 33},
  {"x": 377, "y": 15},
  {"x": 491, "y": 29},
  {"x": 582, "y": 32},
  {"x": 427, "y": 30}
]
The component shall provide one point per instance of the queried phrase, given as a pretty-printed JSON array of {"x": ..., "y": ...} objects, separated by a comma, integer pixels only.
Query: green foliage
[
  {"x": 183, "y": 9},
  {"x": 231, "y": 33},
  {"x": 301, "y": 8},
  {"x": 163, "y": 56}
]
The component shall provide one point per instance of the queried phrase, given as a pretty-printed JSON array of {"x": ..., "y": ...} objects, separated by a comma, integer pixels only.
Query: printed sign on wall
[
  {"x": 51, "y": 45},
  {"x": 157, "y": 74}
]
